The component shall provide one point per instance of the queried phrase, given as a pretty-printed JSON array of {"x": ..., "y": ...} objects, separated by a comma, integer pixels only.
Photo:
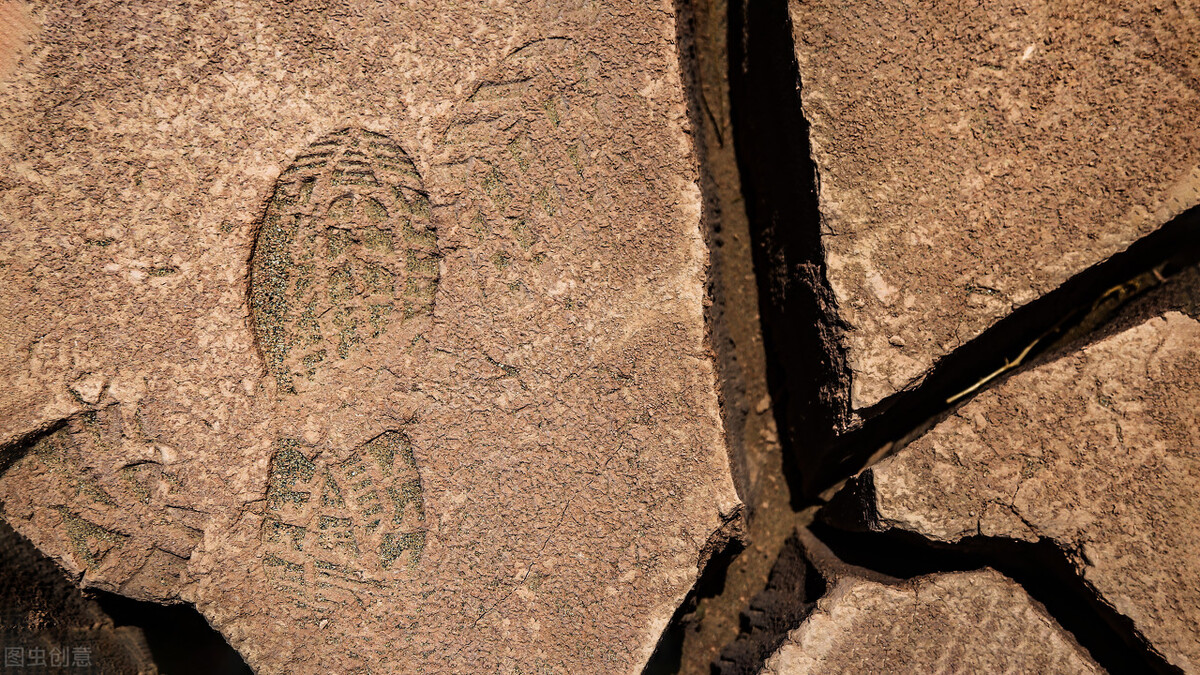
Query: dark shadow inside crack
[
  {"x": 722, "y": 316},
  {"x": 792, "y": 590},
  {"x": 1089, "y": 308},
  {"x": 1074, "y": 313},
  {"x": 806, "y": 366},
  {"x": 41, "y": 609},
  {"x": 668, "y": 654},
  {"x": 808, "y": 378},
  {"x": 179, "y": 637},
  {"x": 713, "y": 616}
]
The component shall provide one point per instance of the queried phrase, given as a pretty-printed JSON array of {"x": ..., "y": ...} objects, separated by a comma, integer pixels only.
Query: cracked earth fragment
[
  {"x": 988, "y": 131},
  {"x": 491, "y": 254},
  {"x": 1093, "y": 448},
  {"x": 942, "y": 623}
]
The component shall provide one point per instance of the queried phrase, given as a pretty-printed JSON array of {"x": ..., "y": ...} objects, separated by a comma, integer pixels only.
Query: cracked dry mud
[
  {"x": 970, "y": 163},
  {"x": 979, "y": 622},
  {"x": 388, "y": 336},
  {"x": 377, "y": 332},
  {"x": 1094, "y": 449},
  {"x": 973, "y": 161}
]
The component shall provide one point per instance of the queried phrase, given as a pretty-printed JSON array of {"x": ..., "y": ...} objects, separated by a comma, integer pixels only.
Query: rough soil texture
[
  {"x": 52, "y": 624},
  {"x": 1096, "y": 450},
  {"x": 375, "y": 331},
  {"x": 969, "y": 163},
  {"x": 979, "y": 622}
]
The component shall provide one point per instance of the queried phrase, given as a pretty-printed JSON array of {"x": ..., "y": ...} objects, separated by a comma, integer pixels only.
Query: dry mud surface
[
  {"x": 968, "y": 164},
  {"x": 971, "y": 161},
  {"x": 388, "y": 335},
  {"x": 376, "y": 331},
  {"x": 1094, "y": 449},
  {"x": 979, "y": 622}
]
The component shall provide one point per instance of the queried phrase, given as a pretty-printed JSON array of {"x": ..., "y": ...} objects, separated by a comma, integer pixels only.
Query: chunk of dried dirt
[
  {"x": 956, "y": 622},
  {"x": 400, "y": 315},
  {"x": 1094, "y": 449},
  {"x": 971, "y": 160}
]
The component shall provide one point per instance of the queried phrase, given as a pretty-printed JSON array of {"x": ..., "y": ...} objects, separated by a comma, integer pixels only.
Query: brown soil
[
  {"x": 383, "y": 328},
  {"x": 747, "y": 407},
  {"x": 969, "y": 166},
  {"x": 15, "y": 28}
]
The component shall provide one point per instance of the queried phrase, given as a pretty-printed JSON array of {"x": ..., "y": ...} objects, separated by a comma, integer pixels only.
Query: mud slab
[
  {"x": 969, "y": 162},
  {"x": 377, "y": 332},
  {"x": 1093, "y": 449},
  {"x": 956, "y": 622}
]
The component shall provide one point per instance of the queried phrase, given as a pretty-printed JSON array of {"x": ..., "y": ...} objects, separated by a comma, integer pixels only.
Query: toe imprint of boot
[{"x": 345, "y": 251}]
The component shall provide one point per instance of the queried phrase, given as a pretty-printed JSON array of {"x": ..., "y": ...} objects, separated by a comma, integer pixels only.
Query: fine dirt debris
[
  {"x": 967, "y": 167},
  {"x": 1094, "y": 449},
  {"x": 977, "y": 621},
  {"x": 376, "y": 333},
  {"x": 712, "y": 615}
]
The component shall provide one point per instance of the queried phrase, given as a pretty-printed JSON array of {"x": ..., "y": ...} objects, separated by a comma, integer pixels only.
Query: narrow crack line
[
  {"x": 1008, "y": 365},
  {"x": 1042, "y": 568},
  {"x": 1071, "y": 315},
  {"x": 712, "y": 119}
]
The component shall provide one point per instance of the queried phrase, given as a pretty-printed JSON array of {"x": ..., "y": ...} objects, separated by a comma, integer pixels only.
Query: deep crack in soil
[
  {"x": 792, "y": 438},
  {"x": 1041, "y": 568},
  {"x": 711, "y": 617}
]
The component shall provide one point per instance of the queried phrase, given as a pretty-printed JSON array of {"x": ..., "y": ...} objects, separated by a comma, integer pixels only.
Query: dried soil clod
[
  {"x": 1092, "y": 449},
  {"x": 964, "y": 621},
  {"x": 481, "y": 269},
  {"x": 961, "y": 175}
]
